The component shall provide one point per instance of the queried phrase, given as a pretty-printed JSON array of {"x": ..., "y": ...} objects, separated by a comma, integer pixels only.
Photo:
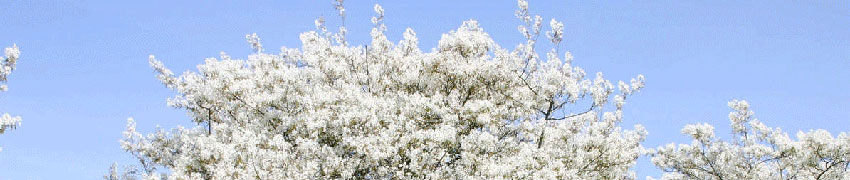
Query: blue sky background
[{"x": 83, "y": 68}]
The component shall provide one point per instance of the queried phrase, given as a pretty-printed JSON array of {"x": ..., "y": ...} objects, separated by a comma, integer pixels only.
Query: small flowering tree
[
  {"x": 469, "y": 109},
  {"x": 7, "y": 122},
  {"x": 757, "y": 152}
]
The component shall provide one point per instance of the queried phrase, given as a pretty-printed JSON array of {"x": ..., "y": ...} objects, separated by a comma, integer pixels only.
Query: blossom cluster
[
  {"x": 756, "y": 152},
  {"x": 469, "y": 109},
  {"x": 7, "y": 121}
]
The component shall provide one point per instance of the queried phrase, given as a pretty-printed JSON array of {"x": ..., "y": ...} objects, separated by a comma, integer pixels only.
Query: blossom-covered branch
[
  {"x": 756, "y": 152},
  {"x": 8, "y": 122}
]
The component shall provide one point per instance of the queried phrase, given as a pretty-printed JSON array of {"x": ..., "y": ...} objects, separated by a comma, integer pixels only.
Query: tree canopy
[{"x": 468, "y": 109}]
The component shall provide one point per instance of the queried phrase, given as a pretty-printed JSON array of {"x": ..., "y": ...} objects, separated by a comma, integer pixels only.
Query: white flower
[
  {"x": 254, "y": 41},
  {"x": 556, "y": 34}
]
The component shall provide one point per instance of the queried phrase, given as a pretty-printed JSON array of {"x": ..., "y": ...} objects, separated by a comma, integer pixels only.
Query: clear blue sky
[{"x": 83, "y": 68}]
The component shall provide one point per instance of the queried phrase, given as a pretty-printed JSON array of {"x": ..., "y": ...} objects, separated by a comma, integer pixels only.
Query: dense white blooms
[
  {"x": 757, "y": 152},
  {"x": 469, "y": 109},
  {"x": 7, "y": 121}
]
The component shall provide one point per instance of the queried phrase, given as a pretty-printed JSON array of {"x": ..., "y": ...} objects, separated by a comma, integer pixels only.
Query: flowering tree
[
  {"x": 7, "y": 122},
  {"x": 757, "y": 152},
  {"x": 469, "y": 109}
]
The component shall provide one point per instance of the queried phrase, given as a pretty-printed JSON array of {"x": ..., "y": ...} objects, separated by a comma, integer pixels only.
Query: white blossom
[
  {"x": 757, "y": 152},
  {"x": 469, "y": 109},
  {"x": 254, "y": 40},
  {"x": 556, "y": 34},
  {"x": 340, "y": 37},
  {"x": 8, "y": 122}
]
